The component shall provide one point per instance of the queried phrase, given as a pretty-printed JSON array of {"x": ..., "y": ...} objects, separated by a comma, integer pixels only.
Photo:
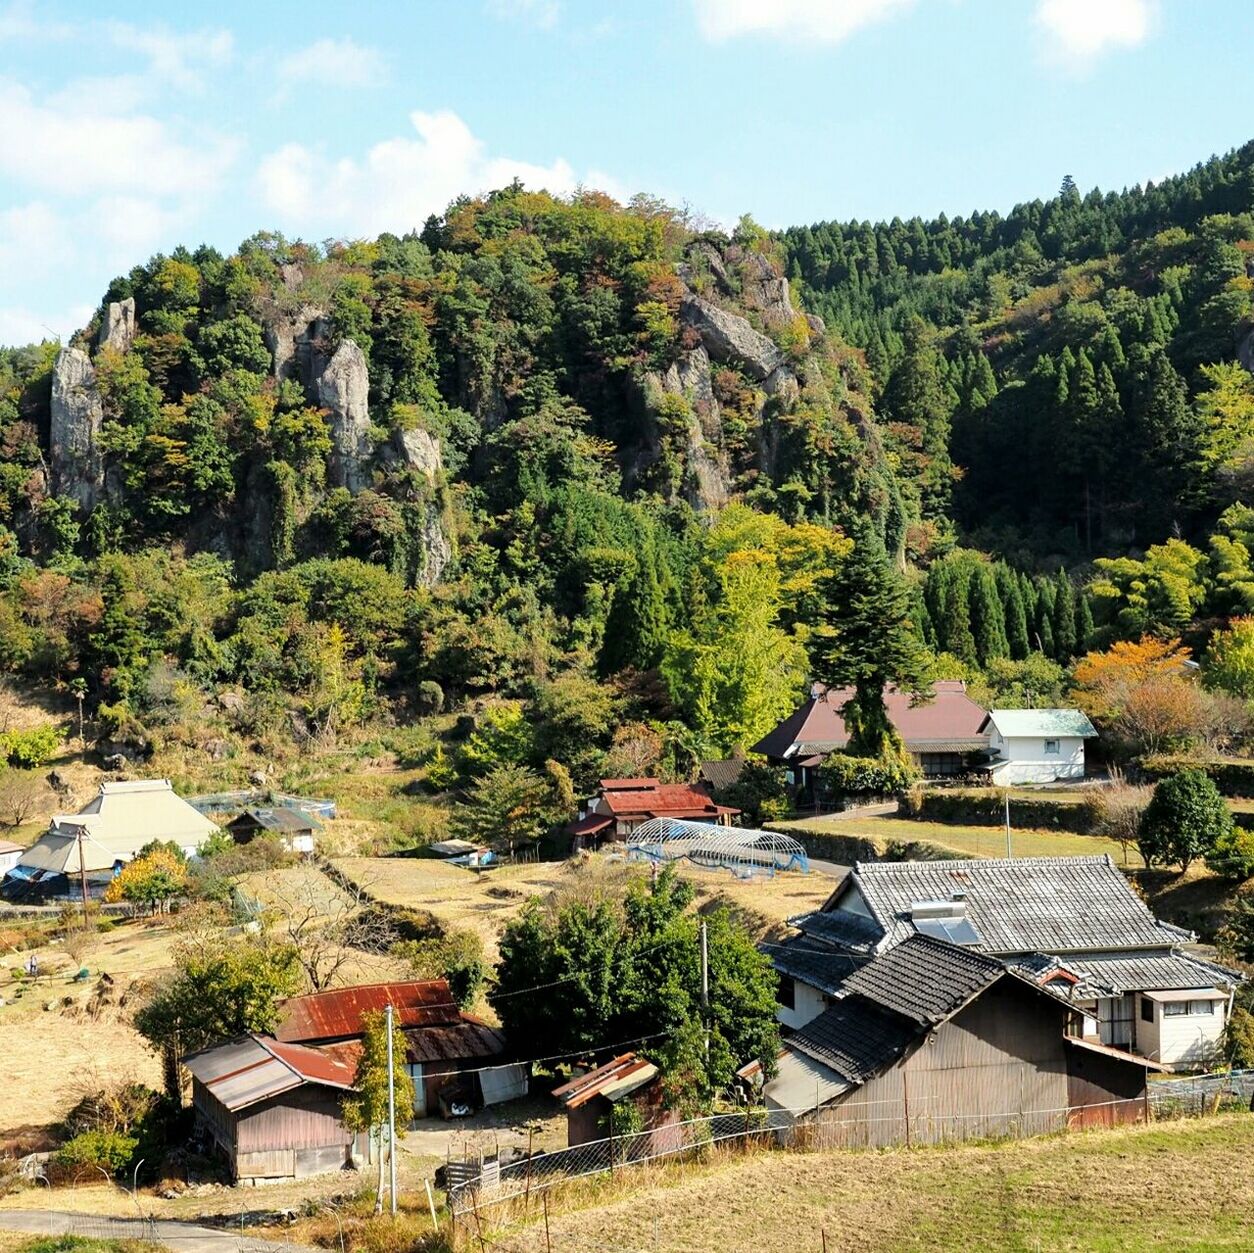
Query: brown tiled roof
[{"x": 950, "y": 717}]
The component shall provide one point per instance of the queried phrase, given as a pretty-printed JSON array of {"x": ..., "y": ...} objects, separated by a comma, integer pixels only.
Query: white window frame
[{"x": 1055, "y": 751}]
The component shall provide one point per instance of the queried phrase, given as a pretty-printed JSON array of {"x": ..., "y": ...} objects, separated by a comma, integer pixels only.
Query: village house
[
  {"x": 1070, "y": 923},
  {"x": 271, "y": 1104},
  {"x": 10, "y": 855},
  {"x": 1036, "y": 745},
  {"x": 295, "y": 829},
  {"x": 621, "y": 805},
  {"x": 107, "y": 832},
  {"x": 594, "y": 1102},
  {"x": 273, "y": 1110},
  {"x": 451, "y": 1055},
  {"x": 944, "y": 736},
  {"x": 931, "y": 1041}
]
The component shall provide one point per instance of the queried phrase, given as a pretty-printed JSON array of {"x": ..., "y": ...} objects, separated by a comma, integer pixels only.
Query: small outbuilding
[
  {"x": 295, "y": 828},
  {"x": 272, "y": 1110},
  {"x": 594, "y": 1102},
  {"x": 1036, "y": 745},
  {"x": 10, "y": 855}
]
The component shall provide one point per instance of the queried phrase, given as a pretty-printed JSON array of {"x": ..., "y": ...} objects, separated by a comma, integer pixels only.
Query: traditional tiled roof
[
  {"x": 1053, "y": 905},
  {"x": 854, "y": 1038},
  {"x": 724, "y": 773},
  {"x": 283, "y": 819},
  {"x": 1041, "y": 723},
  {"x": 951, "y": 717},
  {"x": 802, "y": 958},
  {"x": 850, "y": 931},
  {"x": 1114, "y": 974},
  {"x": 924, "y": 979}
]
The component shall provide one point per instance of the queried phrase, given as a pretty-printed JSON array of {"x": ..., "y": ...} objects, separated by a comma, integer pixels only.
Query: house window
[
  {"x": 1147, "y": 1009},
  {"x": 1201, "y": 1007},
  {"x": 1175, "y": 1009},
  {"x": 787, "y": 994},
  {"x": 1051, "y": 748}
]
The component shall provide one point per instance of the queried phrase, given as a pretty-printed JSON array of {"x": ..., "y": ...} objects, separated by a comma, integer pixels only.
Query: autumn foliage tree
[{"x": 153, "y": 880}]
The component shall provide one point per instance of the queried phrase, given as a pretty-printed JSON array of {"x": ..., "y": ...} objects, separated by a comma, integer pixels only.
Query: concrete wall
[{"x": 1027, "y": 761}]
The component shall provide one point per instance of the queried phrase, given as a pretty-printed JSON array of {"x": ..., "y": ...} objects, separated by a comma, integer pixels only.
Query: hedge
[
  {"x": 988, "y": 808},
  {"x": 1232, "y": 777}
]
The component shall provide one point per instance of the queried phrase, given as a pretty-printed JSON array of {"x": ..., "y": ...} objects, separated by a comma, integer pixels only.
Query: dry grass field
[{"x": 1168, "y": 1187}]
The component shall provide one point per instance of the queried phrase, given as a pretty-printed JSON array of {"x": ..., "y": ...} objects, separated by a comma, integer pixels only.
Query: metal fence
[{"x": 500, "y": 1190}]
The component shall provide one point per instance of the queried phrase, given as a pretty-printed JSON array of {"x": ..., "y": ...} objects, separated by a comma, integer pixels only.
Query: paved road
[{"x": 180, "y": 1236}]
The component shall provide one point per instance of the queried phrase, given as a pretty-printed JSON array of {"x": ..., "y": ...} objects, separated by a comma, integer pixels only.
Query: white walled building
[{"x": 1036, "y": 745}]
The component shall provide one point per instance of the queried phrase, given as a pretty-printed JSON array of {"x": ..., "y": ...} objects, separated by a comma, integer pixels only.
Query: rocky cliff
[
  {"x": 343, "y": 389},
  {"x": 75, "y": 460}
]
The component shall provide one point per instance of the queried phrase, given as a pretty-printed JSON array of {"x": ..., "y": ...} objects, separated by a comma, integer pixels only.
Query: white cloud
[
  {"x": 1081, "y": 30},
  {"x": 329, "y": 63},
  {"x": 75, "y": 147},
  {"x": 398, "y": 182},
  {"x": 18, "y": 21},
  {"x": 541, "y": 13},
  {"x": 183, "y": 60},
  {"x": 826, "y": 21}
]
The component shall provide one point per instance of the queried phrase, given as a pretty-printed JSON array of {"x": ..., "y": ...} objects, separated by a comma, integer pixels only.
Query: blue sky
[{"x": 127, "y": 129}]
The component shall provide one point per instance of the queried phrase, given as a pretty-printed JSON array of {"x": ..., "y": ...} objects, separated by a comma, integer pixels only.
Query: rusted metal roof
[
  {"x": 244, "y": 1072},
  {"x": 616, "y": 1079},
  {"x": 589, "y": 825},
  {"x": 336, "y": 1015}
]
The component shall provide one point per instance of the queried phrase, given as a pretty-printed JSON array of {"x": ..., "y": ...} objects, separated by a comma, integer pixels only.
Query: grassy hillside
[{"x": 1167, "y": 1187}]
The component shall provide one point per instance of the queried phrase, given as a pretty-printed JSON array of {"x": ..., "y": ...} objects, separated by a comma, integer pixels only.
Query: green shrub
[
  {"x": 1232, "y": 857},
  {"x": 28, "y": 749},
  {"x": 1185, "y": 819},
  {"x": 1232, "y": 777},
  {"x": 841, "y": 775},
  {"x": 988, "y": 808},
  {"x": 110, "y": 1151}
]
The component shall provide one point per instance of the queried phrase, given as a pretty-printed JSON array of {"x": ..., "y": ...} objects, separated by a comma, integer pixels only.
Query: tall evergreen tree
[
  {"x": 864, "y": 640},
  {"x": 988, "y": 621},
  {"x": 1064, "y": 618},
  {"x": 1016, "y": 621}
]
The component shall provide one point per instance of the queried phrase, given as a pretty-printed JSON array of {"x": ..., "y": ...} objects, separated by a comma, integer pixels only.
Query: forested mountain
[
  {"x": 585, "y": 456},
  {"x": 1062, "y": 376}
]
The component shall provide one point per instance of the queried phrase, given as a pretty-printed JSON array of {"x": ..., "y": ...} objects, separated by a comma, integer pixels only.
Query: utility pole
[
  {"x": 1008, "y": 853},
  {"x": 391, "y": 1117},
  {"x": 82, "y": 874},
  {"x": 705, "y": 988}
]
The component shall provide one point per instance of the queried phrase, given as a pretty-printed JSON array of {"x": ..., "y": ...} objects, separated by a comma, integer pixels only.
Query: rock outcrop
[
  {"x": 293, "y": 342},
  {"x": 1245, "y": 352},
  {"x": 343, "y": 388},
  {"x": 117, "y": 328},
  {"x": 76, "y": 463},
  {"x": 418, "y": 451},
  {"x": 729, "y": 339}
]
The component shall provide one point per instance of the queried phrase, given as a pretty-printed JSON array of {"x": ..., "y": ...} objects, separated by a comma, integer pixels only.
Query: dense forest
[{"x": 598, "y": 465}]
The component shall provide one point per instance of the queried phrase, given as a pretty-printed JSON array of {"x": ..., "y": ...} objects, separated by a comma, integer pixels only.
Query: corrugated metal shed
[
  {"x": 246, "y": 1071},
  {"x": 613, "y": 1081},
  {"x": 336, "y": 1015}
]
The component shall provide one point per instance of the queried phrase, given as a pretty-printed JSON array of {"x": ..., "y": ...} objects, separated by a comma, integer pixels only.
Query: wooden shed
[
  {"x": 590, "y": 1100},
  {"x": 272, "y": 1110},
  {"x": 296, "y": 829},
  {"x": 932, "y": 1042}
]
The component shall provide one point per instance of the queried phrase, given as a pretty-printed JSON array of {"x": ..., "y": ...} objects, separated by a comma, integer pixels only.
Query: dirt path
[{"x": 180, "y": 1236}]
